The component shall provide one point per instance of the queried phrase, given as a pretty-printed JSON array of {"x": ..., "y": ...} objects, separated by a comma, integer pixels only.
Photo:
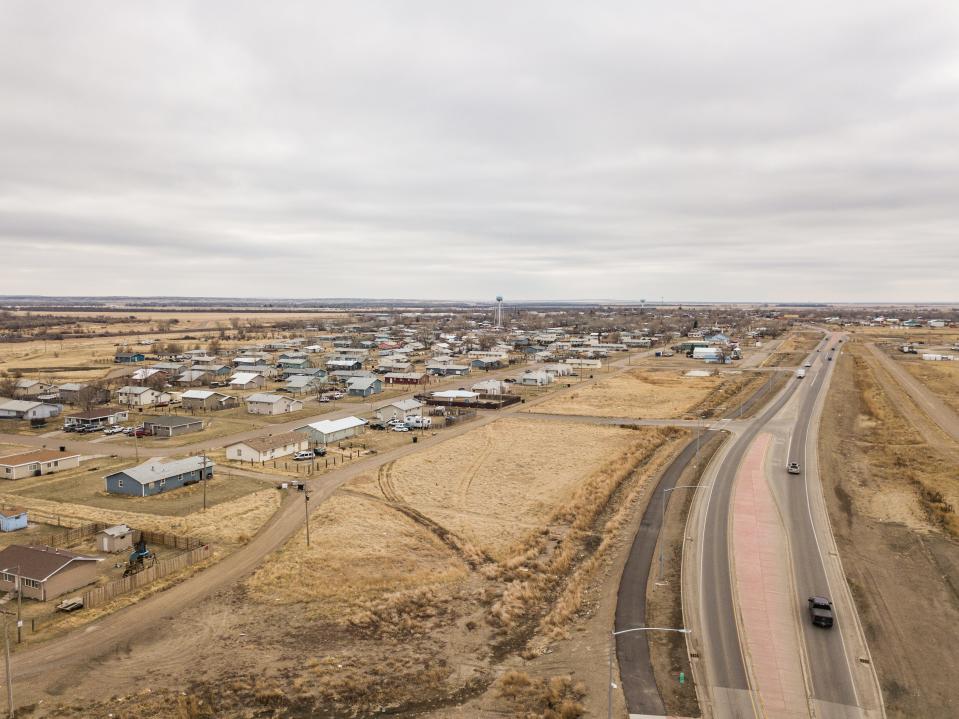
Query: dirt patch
[{"x": 881, "y": 482}]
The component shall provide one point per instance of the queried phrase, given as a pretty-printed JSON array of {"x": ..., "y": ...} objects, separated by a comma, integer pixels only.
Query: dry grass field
[
  {"x": 793, "y": 350},
  {"x": 892, "y": 498},
  {"x": 942, "y": 378},
  {"x": 453, "y": 560},
  {"x": 230, "y": 522},
  {"x": 637, "y": 394}
]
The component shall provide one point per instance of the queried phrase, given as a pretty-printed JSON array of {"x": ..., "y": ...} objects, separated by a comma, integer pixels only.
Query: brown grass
[
  {"x": 541, "y": 697},
  {"x": 637, "y": 394},
  {"x": 793, "y": 350},
  {"x": 942, "y": 378}
]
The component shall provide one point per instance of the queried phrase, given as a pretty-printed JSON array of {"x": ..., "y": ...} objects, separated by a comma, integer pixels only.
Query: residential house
[
  {"x": 117, "y": 538},
  {"x": 31, "y": 388},
  {"x": 207, "y": 400},
  {"x": 534, "y": 378},
  {"x": 364, "y": 386},
  {"x": 400, "y": 409},
  {"x": 348, "y": 363},
  {"x": 216, "y": 371},
  {"x": 293, "y": 362},
  {"x": 333, "y": 430},
  {"x": 444, "y": 369},
  {"x": 247, "y": 380},
  {"x": 491, "y": 386},
  {"x": 193, "y": 378},
  {"x": 128, "y": 357},
  {"x": 264, "y": 403},
  {"x": 264, "y": 449},
  {"x": 12, "y": 519},
  {"x": 131, "y": 396},
  {"x": 406, "y": 378},
  {"x": 303, "y": 384},
  {"x": 393, "y": 364},
  {"x": 36, "y": 463},
  {"x": 148, "y": 374},
  {"x": 171, "y": 368},
  {"x": 27, "y": 409},
  {"x": 100, "y": 417},
  {"x": 42, "y": 572},
  {"x": 152, "y": 478},
  {"x": 172, "y": 426},
  {"x": 81, "y": 393}
]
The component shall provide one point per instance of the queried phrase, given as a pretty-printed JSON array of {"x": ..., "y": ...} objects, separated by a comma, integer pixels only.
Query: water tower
[{"x": 499, "y": 311}]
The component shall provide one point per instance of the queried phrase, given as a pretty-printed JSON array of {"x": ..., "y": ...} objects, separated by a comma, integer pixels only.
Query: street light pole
[
  {"x": 9, "y": 671},
  {"x": 612, "y": 647},
  {"x": 662, "y": 524}
]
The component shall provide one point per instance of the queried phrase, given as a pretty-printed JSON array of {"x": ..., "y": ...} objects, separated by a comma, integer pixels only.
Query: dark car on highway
[{"x": 820, "y": 612}]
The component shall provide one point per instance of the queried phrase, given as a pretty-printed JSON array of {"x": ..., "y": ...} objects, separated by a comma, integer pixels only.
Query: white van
[{"x": 800, "y": 373}]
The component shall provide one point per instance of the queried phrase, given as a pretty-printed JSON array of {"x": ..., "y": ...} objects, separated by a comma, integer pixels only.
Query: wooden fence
[{"x": 100, "y": 595}]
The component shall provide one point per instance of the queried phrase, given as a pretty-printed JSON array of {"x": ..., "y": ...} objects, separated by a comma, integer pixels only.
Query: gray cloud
[{"x": 741, "y": 150}]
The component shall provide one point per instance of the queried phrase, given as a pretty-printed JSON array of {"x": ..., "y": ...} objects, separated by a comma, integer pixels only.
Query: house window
[
  {"x": 119, "y": 484},
  {"x": 6, "y": 577},
  {"x": 30, "y": 582},
  {"x": 162, "y": 482}
]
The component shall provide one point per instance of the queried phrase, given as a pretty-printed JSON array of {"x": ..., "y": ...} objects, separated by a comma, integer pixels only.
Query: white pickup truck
[{"x": 800, "y": 373}]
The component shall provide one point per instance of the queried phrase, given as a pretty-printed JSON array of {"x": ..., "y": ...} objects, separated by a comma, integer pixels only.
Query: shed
[
  {"x": 12, "y": 519},
  {"x": 172, "y": 426},
  {"x": 115, "y": 538}
]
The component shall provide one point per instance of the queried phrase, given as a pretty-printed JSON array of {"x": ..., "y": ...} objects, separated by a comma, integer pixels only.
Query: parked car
[
  {"x": 400, "y": 428},
  {"x": 69, "y": 428},
  {"x": 304, "y": 454},
  {"x": 793, "y": 468},
  {"x": 820, "y": 612}
]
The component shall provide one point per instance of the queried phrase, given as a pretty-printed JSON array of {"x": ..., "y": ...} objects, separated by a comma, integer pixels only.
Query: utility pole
[
  {"x": 204, "y": 480},
  {"x": 6, "y": 655},
  {"x": 306, "y": 507},
  {"x": 19, "y": 594}
]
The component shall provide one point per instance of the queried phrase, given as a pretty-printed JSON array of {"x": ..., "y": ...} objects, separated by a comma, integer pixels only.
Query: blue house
[
  {"x": 13, "y": 519},
  {"x": 128, "y": 357},
  {"x": 156, "y": 477}
]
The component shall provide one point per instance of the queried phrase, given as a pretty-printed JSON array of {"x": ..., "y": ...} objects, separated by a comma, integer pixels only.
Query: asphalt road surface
[
  {"x": 828, "y": 663},
  {"x": 632, "y": 650}
]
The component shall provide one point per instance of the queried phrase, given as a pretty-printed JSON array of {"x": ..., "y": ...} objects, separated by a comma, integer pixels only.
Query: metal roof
[
  {"x": 153, "y": 471},
  {"x": 328, "y": 426}
]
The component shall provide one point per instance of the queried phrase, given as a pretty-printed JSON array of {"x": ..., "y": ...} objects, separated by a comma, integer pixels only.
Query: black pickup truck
[{"x": 820, "y": 611}]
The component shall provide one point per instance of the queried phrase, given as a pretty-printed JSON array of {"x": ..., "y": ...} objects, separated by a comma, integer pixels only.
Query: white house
[
  {"x": 263, "y": 403},
  {"x": 535, "y": 378},
  {"x": 247, "y": 380},
  {"x": 400, "y": 409},
  {"x": 263, "y": 449},
  {"x": 333, "y": 430},
  {"x": 27, "y": 409},
  {"x": 142, "y": 396},
  {"x": 491, "y": 386}
]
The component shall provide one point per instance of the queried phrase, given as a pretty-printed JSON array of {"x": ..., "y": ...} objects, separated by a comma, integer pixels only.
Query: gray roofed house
[
  {"x": 156, "y": 477},
  {"x": 172, "y": 426},
  {"x": 44, "y": 572}
]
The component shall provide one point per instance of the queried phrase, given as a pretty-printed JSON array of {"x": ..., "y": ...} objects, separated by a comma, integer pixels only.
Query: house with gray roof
[{"x": 152, "y": 478}]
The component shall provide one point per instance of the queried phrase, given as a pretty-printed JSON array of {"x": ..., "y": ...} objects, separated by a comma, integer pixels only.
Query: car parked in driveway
[
  {"x": 820, "y": 612},
  {"x": 400, "y": 428},
  {"x": 304, "y": 454}
]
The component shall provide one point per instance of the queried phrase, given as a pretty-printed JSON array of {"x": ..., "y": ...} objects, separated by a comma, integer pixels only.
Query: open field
[
  {"x": 637, "y": 394},
  {"x": 942, "y": 378},
  {"x": 793, "y": 350},
  {"x": 481, "y": 550},
  {"x": 892, "y": 498}
]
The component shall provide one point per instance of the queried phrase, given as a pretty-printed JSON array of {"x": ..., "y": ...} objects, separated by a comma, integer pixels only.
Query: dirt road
[{"x": 937, "y": 410}]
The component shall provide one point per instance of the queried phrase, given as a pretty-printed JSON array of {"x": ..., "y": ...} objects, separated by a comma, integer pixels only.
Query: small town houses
[
  {"x": 264, "y": 449},
  {"x": 27, "y": 409},
  {"x": 263, "y": 403},
  {"x": 37, "y": 463},
  {"x": 133, "y": 396},
  {"x": 207, "y": 400}
]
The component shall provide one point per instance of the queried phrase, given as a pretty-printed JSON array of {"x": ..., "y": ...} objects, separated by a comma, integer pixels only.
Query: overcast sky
[{"x": 688, "y": 150}]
